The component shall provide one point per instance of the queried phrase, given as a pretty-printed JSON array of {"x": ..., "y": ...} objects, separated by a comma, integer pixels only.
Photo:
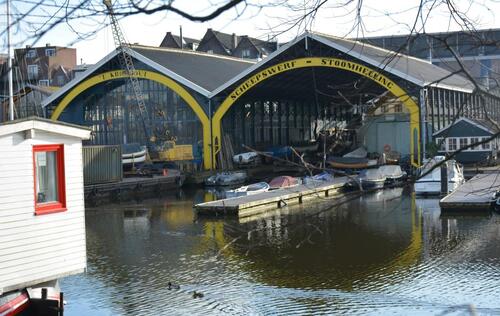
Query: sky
[{"x": 335, "y": 18}]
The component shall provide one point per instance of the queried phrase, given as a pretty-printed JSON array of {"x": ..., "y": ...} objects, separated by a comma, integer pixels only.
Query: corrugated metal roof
[
  {"x": 417, "y": 70},
  {"x": 205, "y": 70}
]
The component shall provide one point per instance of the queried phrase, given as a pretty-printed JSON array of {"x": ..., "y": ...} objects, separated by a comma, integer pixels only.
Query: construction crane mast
[{"x": 127, "y": 64}]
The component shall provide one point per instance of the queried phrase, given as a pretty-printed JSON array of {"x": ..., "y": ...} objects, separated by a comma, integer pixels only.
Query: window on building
[
  {"x": 43, "y": 82},
  {"x": 485, "y": 145},
  {"x": 50, "y": 52},
  {"x": 210, "y": 51},
  {"x": 452, "y": 144},
  {"x": 50, "y": 195},
  {"x": 31, "y": 53},
  {"x": 474, "y": 140},
  {"x": 32, "y": 71},
  {"x": 245, "y": 53},
  {"x": 441, "y": 142},
  {"x": 464, "y": 141}
]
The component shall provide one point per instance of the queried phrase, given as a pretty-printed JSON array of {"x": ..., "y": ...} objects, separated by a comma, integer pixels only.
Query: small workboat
[
  {"x": 429, "y": 176},
  {"x": 307, "y": 146},
  {"x": 227, "y": 178},
  {"x": 279, "y": 151},
  {"x": 350, "y": 162},
  {"x": 318, "y": 179},
  {"x": 133, "y": 154},
  {"x": 392, "y": 173},
  {"x": 368, "y": 179},
  {"x": 246, "y": 158},
  {"x": 283, "y": 182},
  {"x": 248, "y": 190}
]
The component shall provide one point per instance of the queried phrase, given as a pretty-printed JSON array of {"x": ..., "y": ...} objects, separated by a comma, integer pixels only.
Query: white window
[
  {"x": 31, "y": 53},
  {"x": 245, "y": 53},
  {"x": 43, "y": 82},
  {"x": 441, "y": 143},
  {"x": 474, "y": 140},
  {"x": 210, "y": 51},
  {"x": 452, "y": 144},
  {"x": 32, "y": 71},
  {"x": 486, "y": 145},
  {"x": 464, "y": 141},
  {"x": 50, "y": 52}
]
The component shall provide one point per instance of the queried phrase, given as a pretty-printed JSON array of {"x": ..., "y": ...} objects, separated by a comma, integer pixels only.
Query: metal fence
[{"x": 102, "y": 164}]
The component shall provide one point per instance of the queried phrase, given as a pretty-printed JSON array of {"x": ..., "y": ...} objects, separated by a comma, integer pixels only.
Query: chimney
[
  {"x": 47, "y": 45},
  {"x": 235, "y": 41},
  {"x": 181, "y": 39}
]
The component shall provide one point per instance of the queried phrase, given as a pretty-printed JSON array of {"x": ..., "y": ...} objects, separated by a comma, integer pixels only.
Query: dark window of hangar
[
  {"x": 295, "y": 106},
  {"x": 111, "y": 110}
]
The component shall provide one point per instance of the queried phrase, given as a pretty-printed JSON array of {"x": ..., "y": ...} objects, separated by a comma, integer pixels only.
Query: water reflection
[{"x": 385, "y": 252}]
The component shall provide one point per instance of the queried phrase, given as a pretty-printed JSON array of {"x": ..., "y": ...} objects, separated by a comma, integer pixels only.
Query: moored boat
[
  {"x": 246, "y": 158},
  {"x": 350, "y": 162},
  {"x": 251, "y": 189},
  {"x": 227, "y": 178},
  {"x": 429, "y": 176},
  {"x": 283, "y": 182},
  {"x": 318, "y": 179},
  {"x": 392, "y": 173},
  {"x": 133, "y": 154},
  {"x": 368, "y": 179}
]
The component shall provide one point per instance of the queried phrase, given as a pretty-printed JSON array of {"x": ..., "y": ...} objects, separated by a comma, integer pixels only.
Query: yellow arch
[
  {"x": 145, "y": 74},
  {"x": 323, "y": 62}
]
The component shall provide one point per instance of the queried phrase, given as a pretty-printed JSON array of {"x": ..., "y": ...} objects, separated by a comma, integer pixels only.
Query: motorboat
[
  {"x": 246, "y": 158},
  {"x": 368, "y": 179},
  {"x": 248, "y": 190},
  {"x": 309, "y": 146},
  {"x": 133, "y": 154},
  {"x": 227, "y": 178},
  {"x": 318, "y": 179},
  {"x": 392, "y": 173},
  {"x": 350, "y": 162},
  {"x": 283, "y": 182},
  {"x": 429, "y": 176}
]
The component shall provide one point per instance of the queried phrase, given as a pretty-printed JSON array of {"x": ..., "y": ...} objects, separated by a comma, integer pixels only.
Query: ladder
[{"x": 127, "y": 64}]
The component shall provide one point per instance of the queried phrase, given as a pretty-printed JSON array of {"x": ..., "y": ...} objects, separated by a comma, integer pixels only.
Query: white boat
[
  {"x": 248, "y": 190},
  {"x": 246, "y": 158},
  {"x": 392, "y": 173},
  {"x": 133, "y": 154},
  {"x": 318, "y": 179},
  {"x": 227, "y": 178},
  {"x": 429, "y": 176}
]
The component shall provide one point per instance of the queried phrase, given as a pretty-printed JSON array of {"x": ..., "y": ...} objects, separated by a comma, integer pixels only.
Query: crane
[{"x": 127, "y": 64}]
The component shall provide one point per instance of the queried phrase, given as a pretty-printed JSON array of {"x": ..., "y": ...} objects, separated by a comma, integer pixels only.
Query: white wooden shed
[{"x": 42, "y": 219}]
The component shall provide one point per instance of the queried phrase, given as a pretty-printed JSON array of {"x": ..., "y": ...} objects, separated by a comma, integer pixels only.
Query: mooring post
[{"x": 444, "y": 179}]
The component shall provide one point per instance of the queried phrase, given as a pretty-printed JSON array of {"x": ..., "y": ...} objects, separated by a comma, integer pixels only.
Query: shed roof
[
  {"x": 205, "y": 70},
  {"x": 416, "y": 70},
  {"x": 412, "y": 69},
  {"x": 199, "y": 71},
  {"x": 46, "y": 125}
]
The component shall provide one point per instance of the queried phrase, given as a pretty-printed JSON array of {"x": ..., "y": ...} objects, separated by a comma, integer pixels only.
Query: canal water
[{"x": 383, "y": 253}]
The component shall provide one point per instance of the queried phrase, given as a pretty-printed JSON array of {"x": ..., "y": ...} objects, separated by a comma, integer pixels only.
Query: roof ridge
[{"x": 187, "y": 51}]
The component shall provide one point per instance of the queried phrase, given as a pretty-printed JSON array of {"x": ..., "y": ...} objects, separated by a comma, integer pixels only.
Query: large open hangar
[{"x": 311, "y": 84}]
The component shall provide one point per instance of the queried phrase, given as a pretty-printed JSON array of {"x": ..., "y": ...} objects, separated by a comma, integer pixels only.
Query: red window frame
[{"x": 60, "y": 205}]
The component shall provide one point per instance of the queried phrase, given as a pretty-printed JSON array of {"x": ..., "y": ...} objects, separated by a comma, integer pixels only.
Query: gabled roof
[
  {"x": 201, "y": 72},
  {"x": 38, "y": 123},
  {"x": 485, "y": 125},
  {"x": 226, "y": 39},
  {"x": 177, "y": 40},
  {"x": 263, "y": 47},
  {"x": 412, "y": 69}
]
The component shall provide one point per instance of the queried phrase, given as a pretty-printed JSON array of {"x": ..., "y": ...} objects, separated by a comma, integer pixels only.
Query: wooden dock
[
  {"x": 254, "y": 204},
  {"x": 132, "y": 187},
  {"x": 474, "y": 195}
]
